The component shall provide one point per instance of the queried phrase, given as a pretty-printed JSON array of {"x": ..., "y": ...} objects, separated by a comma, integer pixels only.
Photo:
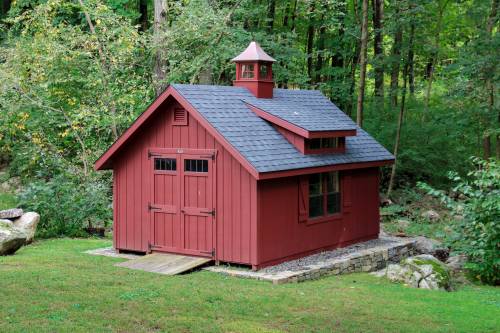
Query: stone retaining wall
[{"x": 365, "y": 260}]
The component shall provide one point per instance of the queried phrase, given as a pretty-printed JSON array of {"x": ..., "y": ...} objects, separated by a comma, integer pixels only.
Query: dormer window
[
  {"x": 247, "y": 71},
  {"x": 324, "y": 145}
]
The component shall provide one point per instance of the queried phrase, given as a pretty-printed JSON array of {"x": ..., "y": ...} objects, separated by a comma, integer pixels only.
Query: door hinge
[
  {"x": 212, "y": 253},
  {"x": 211, "y": 212},
  {"x": 212, "y": 156},
  {"x": 150, "y": 154},
  {"x": 151, "y": 207}
]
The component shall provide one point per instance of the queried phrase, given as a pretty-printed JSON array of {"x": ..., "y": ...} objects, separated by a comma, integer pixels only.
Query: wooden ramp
[{"x": 165, "y": 263}]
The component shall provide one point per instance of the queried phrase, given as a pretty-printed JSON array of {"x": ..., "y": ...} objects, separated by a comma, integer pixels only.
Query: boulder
[
  {"x": 6, "y": 223},
  {"x": 11, "y": 213},
  {"x": 27, "y": 223},
  {"x": 456, "y": 263},
  {"x": 423, "y": 271},
  {"x": 430, "y": 215},
  {"x": 424, "y": 245},
  {"x": 11, "y": 238},
  {"x": 384, "y": 201}
]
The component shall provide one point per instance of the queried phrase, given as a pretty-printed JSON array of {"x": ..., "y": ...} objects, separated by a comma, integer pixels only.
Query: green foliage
[
  {"x": 62, "y": 90},
  {"x": 67, "y": 205},
  {"x": 478, "y": 232},
  {"x": 65, "y": 90}
]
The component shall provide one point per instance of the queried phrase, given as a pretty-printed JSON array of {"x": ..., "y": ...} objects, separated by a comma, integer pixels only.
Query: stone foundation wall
[
  {"x": 364, "y": 261},
  {"x": 367, "y": 260}
]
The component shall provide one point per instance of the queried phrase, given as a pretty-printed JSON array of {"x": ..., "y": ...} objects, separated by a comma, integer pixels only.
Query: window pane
[
  {"x": 263, "y": 71},
  {"x": 315, "y": 144},
  {"x": 316, "y": 206},
  {"x": 315, "y": 184},
  {"x": 165, "y": 164},
  {"x": 333, "y": 203},
  {"x": 196, "y": 165},
  {"x": 326, "y": 143},
  {"x": 247, "y": 71},
  {"x": 333, "y": 192},
  {"x": 332, "y": 182}
]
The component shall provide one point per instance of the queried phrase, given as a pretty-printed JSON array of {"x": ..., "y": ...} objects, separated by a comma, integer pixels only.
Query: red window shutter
[{"x": 303, "y": 198}]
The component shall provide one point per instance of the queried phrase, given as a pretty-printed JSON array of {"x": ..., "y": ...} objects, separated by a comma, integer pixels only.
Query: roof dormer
[{"x": 254, "y": 71}]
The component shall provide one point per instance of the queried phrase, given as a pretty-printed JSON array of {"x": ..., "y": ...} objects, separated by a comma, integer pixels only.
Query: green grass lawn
[
  {"x": 7, "y": 201},
  {"x": 51, "y": 286}
]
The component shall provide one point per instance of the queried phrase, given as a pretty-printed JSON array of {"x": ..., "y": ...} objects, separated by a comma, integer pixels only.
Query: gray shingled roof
[
  {"x": 263, "y": 146},
  {"x": 308, "y": 109}
]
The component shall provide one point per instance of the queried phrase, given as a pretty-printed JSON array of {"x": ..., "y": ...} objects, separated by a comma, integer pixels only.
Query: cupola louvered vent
[{"x": 180, "y": 117}]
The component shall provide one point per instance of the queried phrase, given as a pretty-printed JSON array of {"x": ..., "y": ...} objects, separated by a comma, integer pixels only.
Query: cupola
[{"x": 254, "y": 71}]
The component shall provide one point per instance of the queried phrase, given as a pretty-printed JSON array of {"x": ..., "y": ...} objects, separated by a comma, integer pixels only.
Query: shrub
[
  {"x": 68, "y": 204},
  {"x": 477, "y": 234}
]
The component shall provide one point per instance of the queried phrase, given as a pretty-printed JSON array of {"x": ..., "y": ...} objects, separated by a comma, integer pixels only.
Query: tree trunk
[
  {"x": 160, "y": 58},
  {"x": 354, "y": 64},
  {"x": 271, "y": 9},
  {"x": 321, "y": 46},
  {"x": 4, "y": 7},
  {"x": 363, "y": 54},
  {"x": 400, "y": 121},
  {"x": 435, "y": 55},
  {"x": 491, "y": 86},
  {"x": 378, "y": 50},
  {"x": 294, "y": 16},
  {"x": 338, "y": 57},
  {"x": 396, "y": 56},
  {"x": 411, "y": 61},
  {"x": 310, "y": 42},
  {"x": 143, "y": 15}
]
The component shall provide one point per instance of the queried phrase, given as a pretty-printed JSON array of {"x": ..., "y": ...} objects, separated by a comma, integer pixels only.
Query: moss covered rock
[{"x": 422, "y": 271}]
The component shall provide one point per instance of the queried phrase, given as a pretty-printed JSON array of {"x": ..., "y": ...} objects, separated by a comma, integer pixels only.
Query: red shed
[{"x": 245, "y": 174}]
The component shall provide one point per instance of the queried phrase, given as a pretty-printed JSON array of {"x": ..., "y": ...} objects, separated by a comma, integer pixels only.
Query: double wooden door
[{"x": 182, "y": 206}]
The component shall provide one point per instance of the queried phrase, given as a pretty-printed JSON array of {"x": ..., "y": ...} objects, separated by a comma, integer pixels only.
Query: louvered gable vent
[{"x": 180, "y": 117}]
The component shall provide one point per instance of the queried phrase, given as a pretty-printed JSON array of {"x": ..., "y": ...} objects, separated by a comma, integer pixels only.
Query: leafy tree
[{"x": 477, "y": 231}]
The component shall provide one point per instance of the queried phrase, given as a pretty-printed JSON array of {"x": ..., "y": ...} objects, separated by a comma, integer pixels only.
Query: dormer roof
[
  {"x": 309, "y": 117},
  {"x": 253, "y": 53}
]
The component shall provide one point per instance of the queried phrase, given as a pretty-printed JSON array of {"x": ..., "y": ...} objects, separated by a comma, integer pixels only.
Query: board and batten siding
[
  {"x": 282, "y": 236},
  {"x": 235, "y": 194}
]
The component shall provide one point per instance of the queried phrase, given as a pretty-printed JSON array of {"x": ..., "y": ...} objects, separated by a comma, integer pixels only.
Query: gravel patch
[{"x": 341, "y": 253}]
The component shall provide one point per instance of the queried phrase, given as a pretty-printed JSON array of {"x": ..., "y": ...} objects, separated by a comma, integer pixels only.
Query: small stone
[
  {"x": 403, "y": 224},
  {"x": 430, "y": 215}
]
